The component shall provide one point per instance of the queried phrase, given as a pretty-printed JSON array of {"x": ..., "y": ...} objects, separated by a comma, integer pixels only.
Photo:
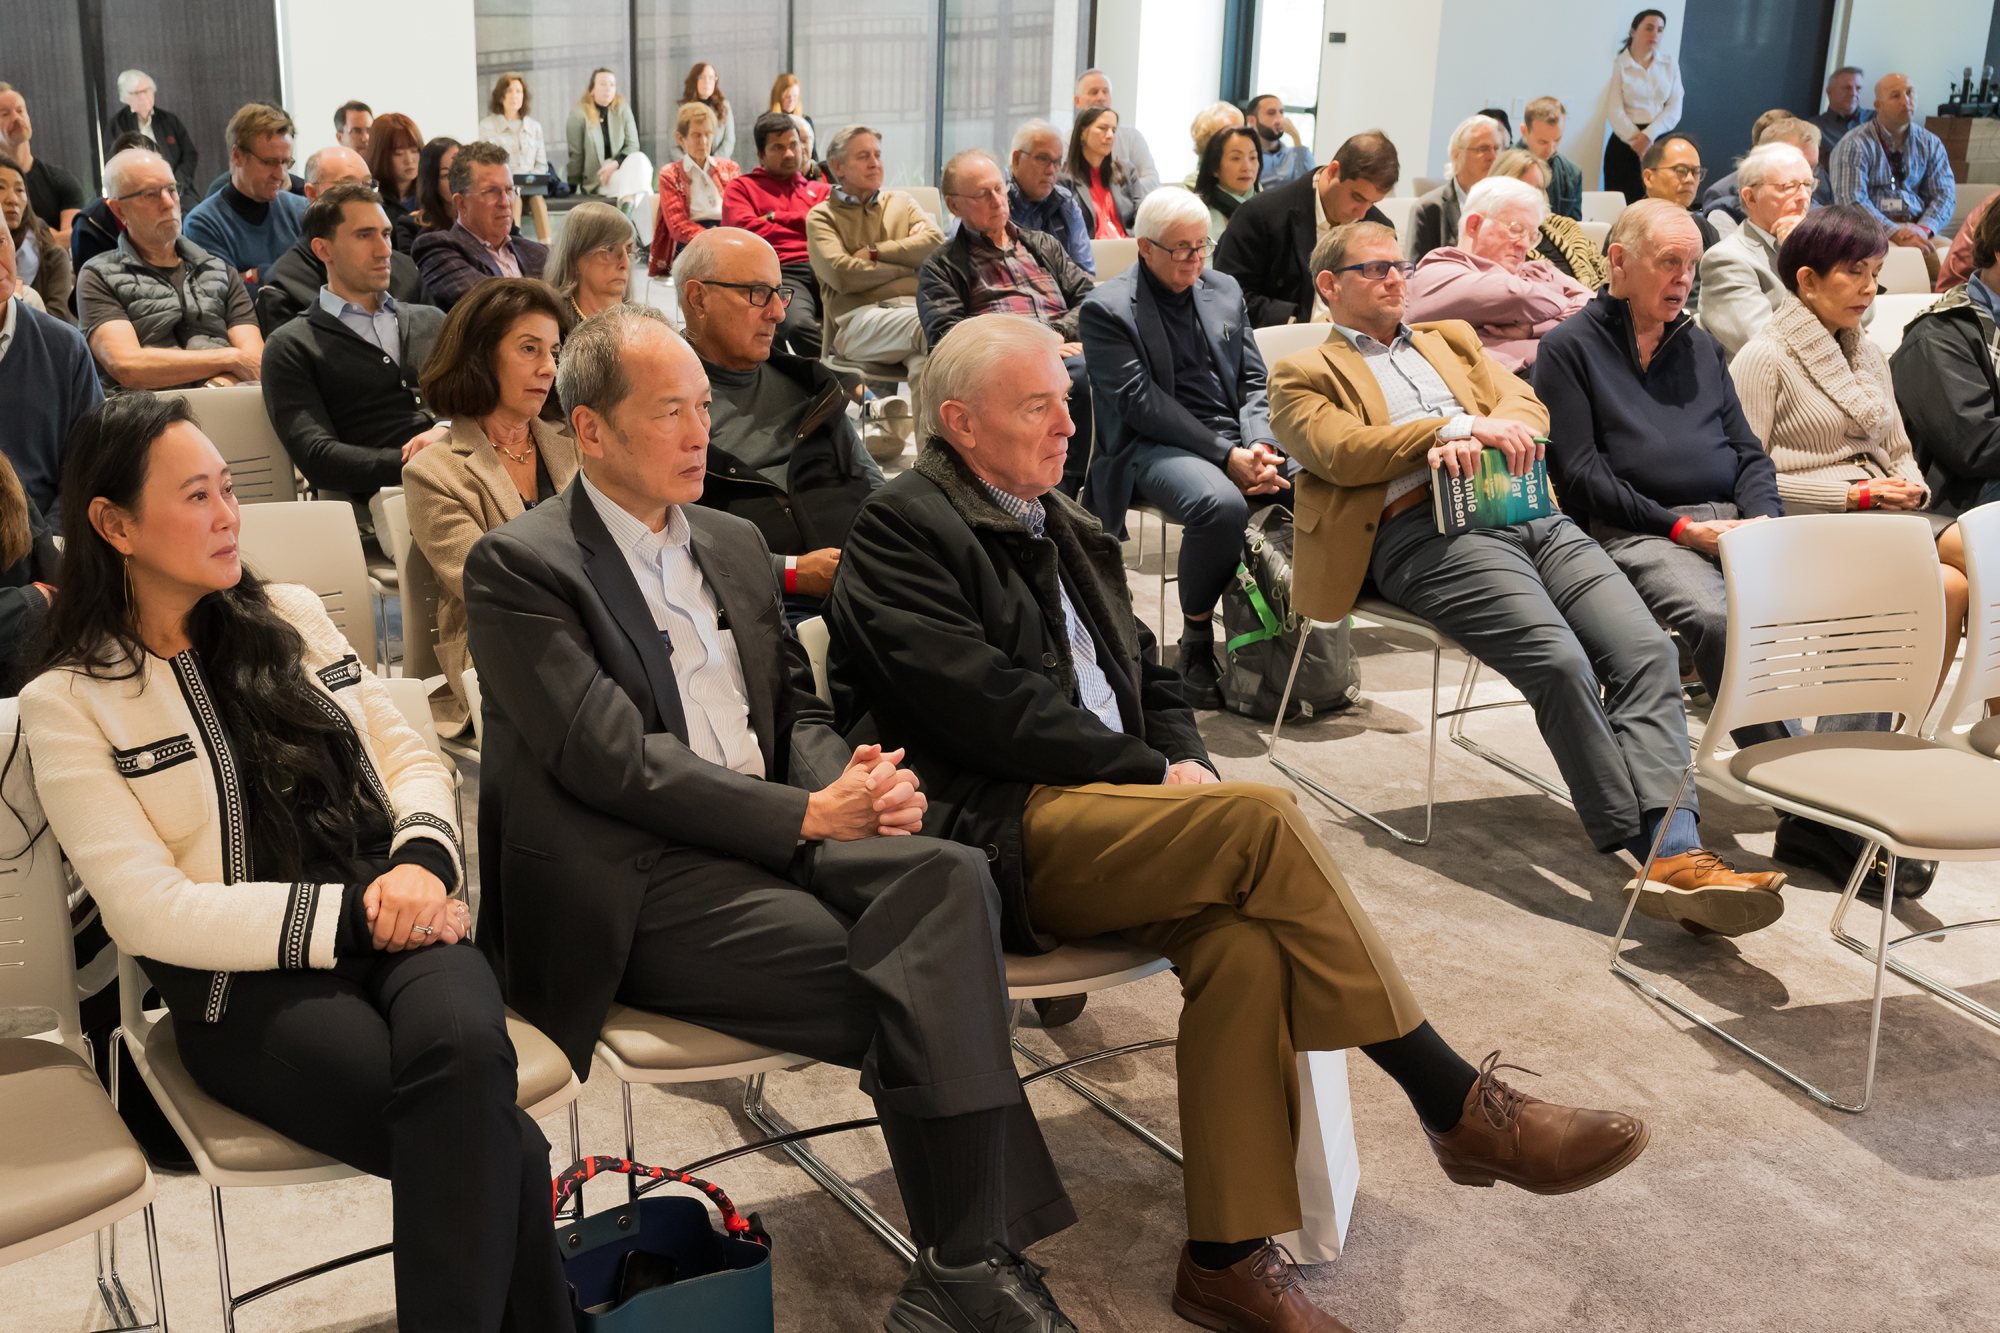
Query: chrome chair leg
[
  {"x": 1046, "y": 1068},
  {"x": 1619, "y": 968},
  {"x": 159, "y": 1283},
  {"x": 1914, "y": 976},
  {"x": 222, "y": 1261},
  {"x": 761, "y": 1115},
  {"x": 110, "y": 1286},
  {"x": 631, "y": 1144},
  {"x": 1466, "y": 707},
  {"x": 575, "y": 1155}
]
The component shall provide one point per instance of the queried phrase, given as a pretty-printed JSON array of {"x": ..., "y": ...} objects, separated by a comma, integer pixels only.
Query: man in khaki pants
[{"x": 983, "y": 622}]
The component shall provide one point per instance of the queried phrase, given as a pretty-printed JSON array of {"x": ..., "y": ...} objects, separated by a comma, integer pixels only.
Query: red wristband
[
  {"x": 791, "y": 576},
  {"x": 1867, "y": 497},
  {"x": 1679, "y": 523}
]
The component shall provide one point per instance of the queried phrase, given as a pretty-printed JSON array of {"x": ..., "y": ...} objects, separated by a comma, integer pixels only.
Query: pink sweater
[{"x": 1510, "y": 311}]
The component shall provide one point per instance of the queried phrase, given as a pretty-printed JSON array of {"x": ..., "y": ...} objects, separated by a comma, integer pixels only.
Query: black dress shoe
[
  {"x": 1056, "y": 1010},
  {"x": 1833, "y": 852},
  {"x": 1002, "y": 1294},
  {"x": 1200, "y": 676}
]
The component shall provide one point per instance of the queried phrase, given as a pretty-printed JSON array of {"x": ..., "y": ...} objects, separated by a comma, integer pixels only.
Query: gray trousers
[
  {"x": 880, "y": 955},
  {"x": 1543, "y": 605}
]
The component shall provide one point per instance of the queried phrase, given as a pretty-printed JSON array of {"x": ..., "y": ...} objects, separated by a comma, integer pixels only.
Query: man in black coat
[
  {"x": 668, "y": 821},
  {"x": 289, "y": 285},
  {"x": 985, "y": 624},
  {"x": 1946, "y": 385},
  {"x": 170, "y": 137},
  {"x": 1269, "y": 242}
]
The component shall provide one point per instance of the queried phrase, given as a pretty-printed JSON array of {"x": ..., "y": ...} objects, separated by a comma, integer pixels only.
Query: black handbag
[{"x": 1263, "y": 634}]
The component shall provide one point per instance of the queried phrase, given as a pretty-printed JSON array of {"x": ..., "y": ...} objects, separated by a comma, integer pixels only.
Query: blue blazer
[{"x": 1131, "y": 372}]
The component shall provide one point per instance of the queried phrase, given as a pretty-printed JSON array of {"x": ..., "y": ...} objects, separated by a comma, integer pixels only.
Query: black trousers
[
  {"x": 400, "y": 1065},
  {"x": 880, "y": 955},
  {"x": 798, "y": 332},
  {"x": 1622, "y": 171}
]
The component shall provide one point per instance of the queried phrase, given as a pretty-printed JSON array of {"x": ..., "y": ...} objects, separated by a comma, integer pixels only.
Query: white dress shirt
[
  {"x": 706, "y": 665},
  {"x": 1411, "y": 388},
  {"x": 704, "y": 195},
  {"x": 1644, "y": 96}
]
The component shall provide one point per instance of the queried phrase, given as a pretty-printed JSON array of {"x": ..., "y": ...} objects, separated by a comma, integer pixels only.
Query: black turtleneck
[
  {"x": 252, "y": 211},
  {"x": 1197, "y": 384}
]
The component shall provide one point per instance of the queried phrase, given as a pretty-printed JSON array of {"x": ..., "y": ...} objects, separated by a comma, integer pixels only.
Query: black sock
[
  {"x": 963, "y": 1170},
  {"x": 1216, "y": 1255},
  {"x": 1434, "y": 1077},
  {"x": 1198, "y": 631}
]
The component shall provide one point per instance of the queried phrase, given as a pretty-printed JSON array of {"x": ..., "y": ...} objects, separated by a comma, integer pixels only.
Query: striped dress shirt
[{"x": 1923, "y": 193}]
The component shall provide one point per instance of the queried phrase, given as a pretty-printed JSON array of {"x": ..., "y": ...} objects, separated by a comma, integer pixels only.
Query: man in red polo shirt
[{"x": 772, "y": 200}]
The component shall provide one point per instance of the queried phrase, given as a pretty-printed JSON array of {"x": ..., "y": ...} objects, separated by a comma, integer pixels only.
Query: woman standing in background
[
  {"x": 1642, "y": 103},
  {"x": 508, "y": 124}
]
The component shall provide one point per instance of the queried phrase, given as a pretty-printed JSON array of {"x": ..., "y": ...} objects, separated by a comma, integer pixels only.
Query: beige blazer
[
  {"x": 457, "y": 491},
  {"x": 1329, "y": 413}
]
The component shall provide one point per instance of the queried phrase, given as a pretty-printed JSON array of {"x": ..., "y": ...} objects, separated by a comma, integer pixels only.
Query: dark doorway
[{"x": 1739, "y": 59}]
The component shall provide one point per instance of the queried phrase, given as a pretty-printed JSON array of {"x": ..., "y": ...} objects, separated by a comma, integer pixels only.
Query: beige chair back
[
  {"x": 815, "y": 639},
  {"x": 235, "y": 420},
  {"x": 1602, "y": 206},
  {"x": 1598, "y": 232},
  {"x": 1904, "y": 272},
  {"x": 1279, "y": 341},
  {"x": 37, "y": 956},
  {"x": 1892, "y": 315},
  {"x": 927, "y": 198},
  {"x": 1114, "y": 255},
  {"x": 1828, "y": 614},
  {"x": 416, "y": 588},
  {"x": 1979, "y": 672},
  {"x": 315, "y": 542},
  {"x": 1423, "y": 185},
  {"x": 1397, "y": 208}
]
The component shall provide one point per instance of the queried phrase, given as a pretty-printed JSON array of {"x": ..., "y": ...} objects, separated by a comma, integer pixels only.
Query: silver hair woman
[{"x": 590, "y": 263}]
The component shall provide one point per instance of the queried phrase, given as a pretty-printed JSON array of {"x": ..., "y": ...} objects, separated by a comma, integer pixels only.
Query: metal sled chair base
[{"x": 1392, "y": 617}]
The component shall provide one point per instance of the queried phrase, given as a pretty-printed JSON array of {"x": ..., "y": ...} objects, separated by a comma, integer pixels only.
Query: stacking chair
[
  {"x": 416, "y": 588},
  {"x": 1598, "y": 232},
  {"x": 1423, "y": 185},
  {"x": 234, "y": 419},
  {"x": 1113, "y": 255},
  {"x": 316, "y": 542},
  {"x": 1893, "y": 313},
  {"x": 1279, "y": 341},
  {"x": 68, "y": 1167},
  {"x": 1830, "y": 614},
  {"x": 929, "y": 199},
  {"x": 1602, "y": 206},
  {"x": 1904, "y": 272},
  {"x": 1979, "y": 672},
  {"x": 1397, "y": 208}
]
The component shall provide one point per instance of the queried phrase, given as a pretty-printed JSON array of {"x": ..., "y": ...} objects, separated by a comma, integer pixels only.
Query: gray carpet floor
[{"x": 1753, "y": 1209}]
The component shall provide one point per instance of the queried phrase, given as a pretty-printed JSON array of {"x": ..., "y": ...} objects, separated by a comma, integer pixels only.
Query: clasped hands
[
  {"x": 1460, "y": 457},
  {"x": 871, "y": 798},
  {"x": 408, "y": 898},
  {"x": 1255, "y": 471}
]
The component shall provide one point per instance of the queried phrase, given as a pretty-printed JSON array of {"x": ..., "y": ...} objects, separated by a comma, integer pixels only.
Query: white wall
[
  {"x": 1884, "y": 36},
  {"x": 1161, "y": 57},
  {"x": 1382, "y": 77},
  {"x": 427, "y": 70}
]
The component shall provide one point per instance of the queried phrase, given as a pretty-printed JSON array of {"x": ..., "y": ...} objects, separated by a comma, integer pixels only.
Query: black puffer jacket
[
  {"x": 948, "y": 639},
  {"x": 1950, "y": 399}
]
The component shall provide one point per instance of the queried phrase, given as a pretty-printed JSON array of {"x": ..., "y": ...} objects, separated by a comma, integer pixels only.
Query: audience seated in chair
[
  {"x": 1434, "y": 222},
  {"x": 1106, "y": 191},
  {"x": 395, "y": 159},
  {"x": 483, "y": 242},
  {"x": 1226, "y": 177},
  {"x": 292, "y": 283},
  {"x": 1956, "y": 266},
  {"x": 258, "y": 824},
  {"x": 1487, "y": 279},
  {"x": 603, "y": 140},
  {"x": 430, "y": 198},
  {"x": 1269, "y": 244},
  {"x": 772, "y": 200},
  {"x": 1741, "y": 286},
  {"x": 1048, "y": 735},
  {"x": 97, "y": 228},
  {"x": 1093, "y": 89},
  {"x": 1844, "y": 108},
  {"x": 151, "y": 328},
  {"x": 691, "y": 187},
  {"x": 590, "y": 264},
  {"x": 40, "y": 264},
  {"x": 1370, "y": 415},
  {"x": 1773, "y": 127},
  {"x": 1177, "y": 385},
  {"x": 1541, "y": 135},
  {"x": 1948, "y": 386},
  {"x": 254, "y": 218},
  {"x": 47, "y": 382},
  {"x": 992, "y": 265},
  {"x": 491, "y": 373},
  {"x": 1561, "y": 241},
  {"x": 1897, "y": 170},
  {"x": 1817, "y": 392},
  {"x": 1037, "y": 197},
  {"x": 29, "y": 559},
  {"x": 342, "y": 384},
  {"x": 1672, "y": 171},
  {"x": 866, "y": 245},
  {"x": 1207, "y": 122},
  {"x": 1278, "y": 163},
  {"x": 55, "y": 194},
  {"x": 669, "y": 821},
  {"x": 782, "y": 452}
]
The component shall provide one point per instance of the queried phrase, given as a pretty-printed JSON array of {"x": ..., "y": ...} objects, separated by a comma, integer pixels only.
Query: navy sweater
[
  {"x": 47, "y": 381},
  {"x": 1628, "y": 445}
]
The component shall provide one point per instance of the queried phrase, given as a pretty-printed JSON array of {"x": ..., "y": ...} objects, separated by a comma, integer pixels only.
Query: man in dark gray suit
[
  {"x": 669, "y": 820},
  {"x": 1178, "y": 389},
  {"x": 1474, "y": 146}
]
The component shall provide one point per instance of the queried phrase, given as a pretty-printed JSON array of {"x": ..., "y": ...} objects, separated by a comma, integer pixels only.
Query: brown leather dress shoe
[
  {"x": 1700, "y": 889},
  {"x": 1545, "y": 1149},
  {"x": 1261, "y": 1294}
]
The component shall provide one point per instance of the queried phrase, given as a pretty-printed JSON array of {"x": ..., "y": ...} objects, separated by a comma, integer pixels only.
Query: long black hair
[
  {"x": 303, "y": 769},
  {"x": 433, "y": 200},
  {"x": 1206, "y": 183}
]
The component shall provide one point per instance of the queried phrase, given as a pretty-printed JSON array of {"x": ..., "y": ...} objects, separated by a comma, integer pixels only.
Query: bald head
[
  {"x": 333, "y": 166},
  {"x": 1895, "y": 102},
  {"x": 724, "y": 324},
  {"x": 134, "y": 169}
]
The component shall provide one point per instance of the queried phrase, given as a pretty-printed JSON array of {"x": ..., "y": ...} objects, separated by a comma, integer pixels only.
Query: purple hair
[{"x": 1826, "y": 239}]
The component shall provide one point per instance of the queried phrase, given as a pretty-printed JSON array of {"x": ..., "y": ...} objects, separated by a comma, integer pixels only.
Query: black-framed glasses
[
  {"x": 152, "y": 194},
  {"x": 1377, "y": 269},
  {"x": 1180, "y": 254},
  {"x": 758, "y": 294},
  {"x": 1685, "y": 173}
]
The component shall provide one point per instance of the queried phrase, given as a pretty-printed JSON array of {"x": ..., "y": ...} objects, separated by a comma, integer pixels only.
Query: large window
[
  {"x": 873, "y": 65},
  {"x": 999, "y": 59},
  {"x": 1288, "y": 52},
  {"x": 744, "y": 40},
  {"x": 555, "y": 44}
]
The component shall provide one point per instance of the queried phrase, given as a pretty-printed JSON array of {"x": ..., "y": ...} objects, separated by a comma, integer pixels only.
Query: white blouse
[
  {"x": 1643, "y": 96},
  {"x": 704, "y": 195},
  {"x": 527, "y": 154}
]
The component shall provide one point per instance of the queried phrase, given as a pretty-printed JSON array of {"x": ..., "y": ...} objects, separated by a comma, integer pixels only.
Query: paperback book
[{"x": 1490, "y": 497}]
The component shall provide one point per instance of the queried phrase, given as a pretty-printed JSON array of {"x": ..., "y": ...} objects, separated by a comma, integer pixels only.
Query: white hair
[
  {"x": 1024, "y": 138},
  {"x": 118, "y": 171},
  {"x": 1168, "y": 207},
  {"x": 1461, "y": 136},
  {"x": 128, "y": 82},
  {"x": 967, "y": 359},
  {"x": 1497, "y": 194},
  {"x": 1762, "y": 162}
]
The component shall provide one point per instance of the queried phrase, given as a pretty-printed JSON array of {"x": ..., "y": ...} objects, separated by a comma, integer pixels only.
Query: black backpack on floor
[{"x": 1261, "y": 634}]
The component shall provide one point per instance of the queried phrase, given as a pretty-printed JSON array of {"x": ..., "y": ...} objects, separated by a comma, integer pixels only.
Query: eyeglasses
[
  {"x": 997, "y": 192},
  {"x": 1377, "y": 269},
  {"x": 1790, "y": 187},
  {"x": 1180, "y": 254},
  {"x": 495, "y": 194},
  {"x": 1048, "y": 160},
  {"x": 1686, "y": 173},
  {"x": 758, "y": 294},
  {"x": 1513, "y": 231},
  {"x": 622, "y": 253},
  {"x": 152, "y": 194},
  {"x": 274, "y": 163}
]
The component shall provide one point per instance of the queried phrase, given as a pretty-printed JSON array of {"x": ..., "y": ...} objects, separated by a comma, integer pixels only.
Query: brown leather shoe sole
[
  {"x": 1725, "y": 911},
  {"x": 1222, "y": 1323},
  {"x": 1466, "y": 1176}
]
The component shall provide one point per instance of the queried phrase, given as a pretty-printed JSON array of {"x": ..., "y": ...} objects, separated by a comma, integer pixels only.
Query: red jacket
[
  {"x": 673, "y": 227},
  {"x": 774, "y": 209}
]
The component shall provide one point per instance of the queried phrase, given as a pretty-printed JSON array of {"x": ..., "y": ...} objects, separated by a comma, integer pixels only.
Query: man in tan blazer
[{"x": 1369, "y": 414}]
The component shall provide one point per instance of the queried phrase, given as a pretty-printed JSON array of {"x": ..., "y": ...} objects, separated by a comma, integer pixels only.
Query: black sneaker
[
  {"x": 1057, "y": 1010},
  {"x": 1832, "y": 852},
  {"x": 1200, "y": 676},
  {"x": 1003, "y": 1294}
]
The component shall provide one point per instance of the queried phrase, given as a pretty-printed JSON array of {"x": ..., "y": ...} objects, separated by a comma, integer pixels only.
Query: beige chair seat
[
  {"x": 65, "y": 1155},
  {"x": 657, "y": 1044},
  {"x": 544, "y": 1071},
  {"x": 1985, "y": 736},
  {"x": 1920, "y": 793},
  {"x": 1081, "y": 967}
]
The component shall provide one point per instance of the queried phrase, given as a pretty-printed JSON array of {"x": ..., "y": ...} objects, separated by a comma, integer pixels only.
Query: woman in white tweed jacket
[
  {"x": 259, "y": 826},
  {"x": 1819, "y": 396}
]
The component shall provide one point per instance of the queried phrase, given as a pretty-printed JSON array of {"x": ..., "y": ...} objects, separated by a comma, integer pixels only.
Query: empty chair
[
  {"x": 315, "y": 542},
  {"x": 1979, "y": 670},
  {"x": 1114, "y": 255},
  {"x": 1904, "y": 272},
  {"x": 234, "y": 419},
  {"x": 1602, "y": 206}
]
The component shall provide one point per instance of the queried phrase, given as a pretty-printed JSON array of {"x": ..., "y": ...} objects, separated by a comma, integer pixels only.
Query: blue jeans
[{"x": 1199, "y": 495}]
